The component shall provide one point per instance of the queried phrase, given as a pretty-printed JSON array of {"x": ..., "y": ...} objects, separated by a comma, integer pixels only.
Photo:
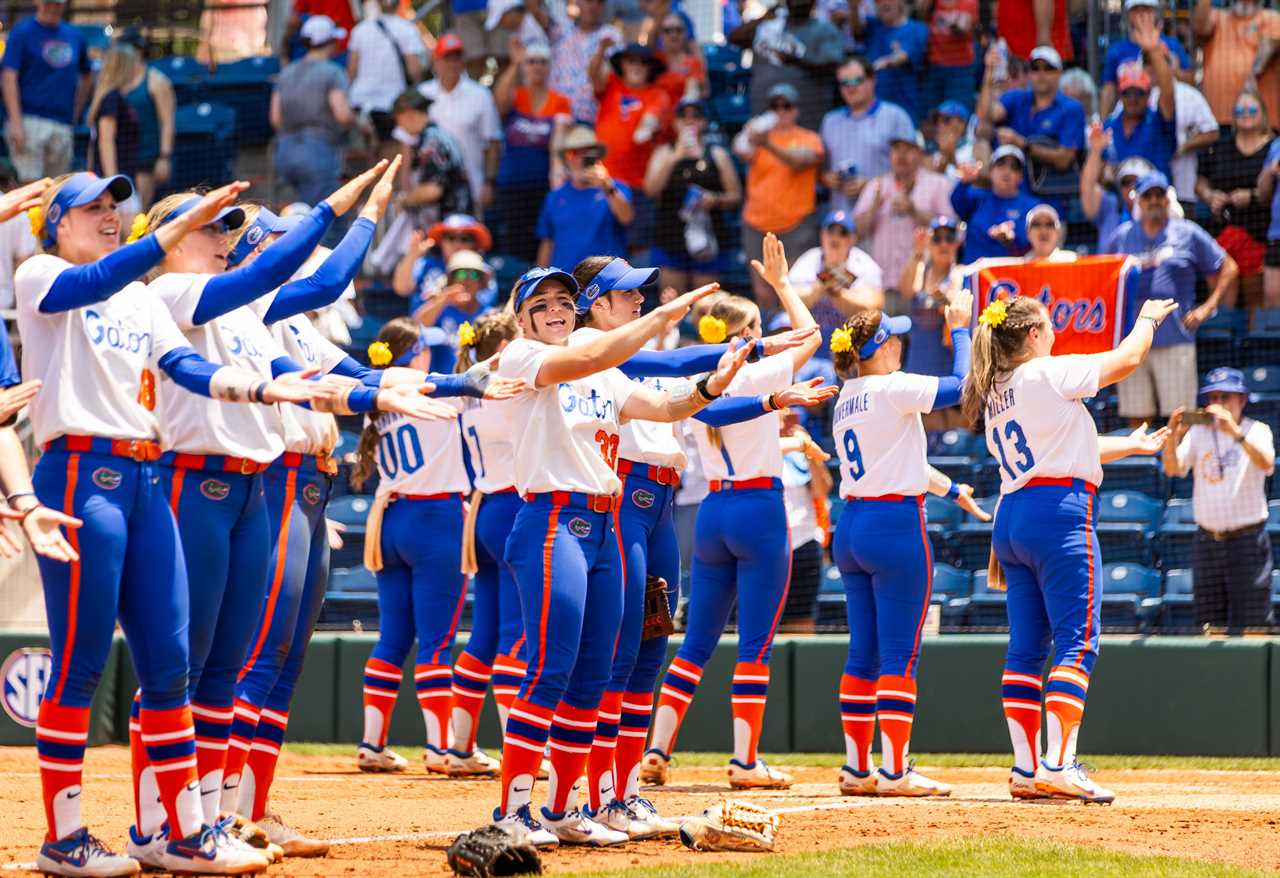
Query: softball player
[
  {"x": 563, "y": 549},
  {"x": 741, "y": 547},
  {"x": 1050, "y": 468},
  {"x": 96, "y": 338},
  {"x": 649, "y": 465},
  {"x": 880, "y": 543}
]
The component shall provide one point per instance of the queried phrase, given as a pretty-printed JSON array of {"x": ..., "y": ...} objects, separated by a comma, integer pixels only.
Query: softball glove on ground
[
  {"x": 732, "y": 825},
  {"x": 493, "y": 851}
]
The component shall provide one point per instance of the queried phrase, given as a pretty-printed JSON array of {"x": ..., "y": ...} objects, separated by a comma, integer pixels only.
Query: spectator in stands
[
  {"x": 150, "y": 93},
  {"x": 686, "y": 73},
  {"x": 790, "y": 46},
  {"x": 896, "y": 47},
  {"x": 1269, "y": 192},
  {"x": 675, "y": 169},
  {"x": 509, "y": 20},
  {"x": 534, "y": 119},
  {"x": 573, "y": 45},
  {"x": 340, "y": 12},
  {"x": 995, "y": 213},
  {"x": 931, "y": 276},
  {"x": 952, "y": 145},
  {"x": 1228, "y": 184},
  {"x": 1077, "y": 83},
  {"x": 856, "y": 136},
  {"x": 1105, "y": 208},
  {"x": 45, "y": 79},
  {"x": 433, "y": 174},
  {"x": 590, "y": 213},
  {"x": 385, "y": 57},
  {"x": 1196, "y": 130},
  {"x": 836, "y": 279},
  {"x": 633, "y": 110},
  {"x": 1230, "y": 458},
  {"x": 469, "y": 24},
  {"x": 114, "y": 129},
  {"x": 652, "y": 29},
  {"x": 422, "y": 270},
  {"x": 951, "y": 54},
  {"x": 1240, "y": 48},
  {"x": 1025, "y": 25},
  {"x": 1137, "y": 13},
  {"x": 455, "y": 302},
  {"x": 466, "y": 109},
  {"x": 1045, "y": 234},
  {"x": 17, "y": 243},
  {"x": 1172, "y": 252},
  {"x": 782, "y": 174},
  {"x": 1139, "y": 129},
  {"x": 311, "y": 116},
  {"x": 895, "y": 204}
]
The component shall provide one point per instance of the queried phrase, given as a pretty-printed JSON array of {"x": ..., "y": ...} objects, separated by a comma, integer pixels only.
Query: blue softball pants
[
  {"x": 421, "y": 588},
  {"x": 882, "y": 551},
  {"x": 568, "y": 570},
  {"x": 1046, "y": 540},
  {"x": 131, "y": 568},
  {"x": 497, "y": 627}
]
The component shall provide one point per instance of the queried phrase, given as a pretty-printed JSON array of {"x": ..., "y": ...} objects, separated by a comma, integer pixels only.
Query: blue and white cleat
[
  {"x": 148, "y": 850},
  {"x": 80, "y": 854},
  {"x": 574, "y": 827},
  {"x": 521, "y": 821},
  {"x": 1071, "y": 782},
  {"x": 211, "y": 851}
]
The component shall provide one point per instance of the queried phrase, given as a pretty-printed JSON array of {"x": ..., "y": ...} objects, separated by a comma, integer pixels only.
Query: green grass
[
  {"x": 937, "y": 760},
  {"x": 991, "y": 857}
]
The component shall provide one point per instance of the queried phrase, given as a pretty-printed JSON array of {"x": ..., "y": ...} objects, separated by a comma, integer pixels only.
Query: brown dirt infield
[{"x": 403, "y": 823}]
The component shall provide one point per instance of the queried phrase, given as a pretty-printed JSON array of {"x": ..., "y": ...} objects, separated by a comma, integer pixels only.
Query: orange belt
[
  {"x": 140, "y": 450},
  {"x": 447, "y": 495},
  {"x": 744, "y": 485},
  {"x": 242, "y": 465},
  {"x": 662, "y": 475},
  {"x": 510, "y": 489},
  {"x": 1079, "y": 484},
  {"x": 323, "y": 462},
  {"x": 594, "y": 502}
]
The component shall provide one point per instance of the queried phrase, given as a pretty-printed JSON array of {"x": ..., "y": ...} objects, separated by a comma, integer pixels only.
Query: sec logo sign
[{"x": 24, "y": 674}]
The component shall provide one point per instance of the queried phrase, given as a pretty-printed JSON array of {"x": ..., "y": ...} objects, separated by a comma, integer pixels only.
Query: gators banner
[{"x": 1086, "y": 298}]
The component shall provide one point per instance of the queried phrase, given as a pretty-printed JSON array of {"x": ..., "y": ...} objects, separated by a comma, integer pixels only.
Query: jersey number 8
[{"x": 404, "y": 440}]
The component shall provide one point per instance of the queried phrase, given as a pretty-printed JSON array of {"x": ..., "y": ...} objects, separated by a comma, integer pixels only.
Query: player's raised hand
[
  {"x": 500, "y": 387},
  {"x": 806, "y": 393},
  {"x": 380, "y": 196},
  {"x": 1157, "y": 310},
  {"x": 346, "y": 196},
  {"x": 205, "y": 212},
  {"x": 1146, "y": 443},
  {"x": 730, "y": 362},
  {"x": 966, "y": 502},
  {"x": 675, "y": 310},
  {"x": 959, "y": 309},
  {"x": 773, "y": 270},
  {"x": 785, "y": 341}
]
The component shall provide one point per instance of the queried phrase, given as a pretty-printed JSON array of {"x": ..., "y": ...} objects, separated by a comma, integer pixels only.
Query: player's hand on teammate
[
  {"x": 13, "y": 399},
  {"x": 966, "y": 502},
  {"x": 674, "y": 311},
  {"x": 500, "y": 387},
  {"x": 1153, "y": 442},
  {"x": 298, "y": 387},
  {"x": 380, "y": 195},
  {"x": 773, "y": 270},
  {"x": 959, "y": 309},
  {"x": 730, "y": 362},
  {"x": 806, "y": 393},
  {"x": 347, "y": 196},
  {"x": 411, "y": 401},
  {"x": 785, "y": 341},
  {"x": 205, "y": 212},
  {"x": 23, "y": 198}
]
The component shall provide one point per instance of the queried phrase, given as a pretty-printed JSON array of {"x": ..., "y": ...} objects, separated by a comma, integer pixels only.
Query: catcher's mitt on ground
[
  {"x": 733, "y": 825},
  {"x": 491, "y": 851},
  {"x": 657, "y": 612}
]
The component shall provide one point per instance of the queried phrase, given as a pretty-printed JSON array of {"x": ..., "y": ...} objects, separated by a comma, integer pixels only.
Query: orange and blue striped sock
[
  {"x": 381, "y": 686},
  {"x": 508, "y": 674},
  {"x": 674, "y": 699},
  {"x": 523, "y": 743},
  {"x": 435, "y": 694},
  {"x": 244, "y": 725},
  {"x": 601, "y": 782},
  {"x": 633, "y": 730},
  {"x": 470, "y": 682},
  {"x": 569, "y": 740},
  {"x": 749, "y": 694},
  {"x": 1064, "y": 698},
  {"x": 1020, "y": 695},
  {"x": 858, "y": 720},
  {"x": 260, "y": 767},
  {"x": 169, "y": 737},
  {"x": 896, "y": 711},
  {"x": 213, "y": 730},
  {"x": 61, "y": 735}
]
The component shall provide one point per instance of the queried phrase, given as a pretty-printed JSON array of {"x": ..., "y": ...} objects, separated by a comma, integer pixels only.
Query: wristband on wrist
[
  {"x": 953, "y": 492},
  {"x": 14, "y": 496},
  {"x": 259, "y": 392},
  {"x": 27, "y": 514},
  {"x": 705, "y": 393}
]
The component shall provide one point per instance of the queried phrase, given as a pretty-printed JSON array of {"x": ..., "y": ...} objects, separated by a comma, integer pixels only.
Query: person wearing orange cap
[
  {"x": 465, "y": 109},
  {"x": 1138, "y": 129}
]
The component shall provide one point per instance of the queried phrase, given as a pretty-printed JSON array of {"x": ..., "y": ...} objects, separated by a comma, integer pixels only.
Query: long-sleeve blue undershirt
[
  {"x": 193, "y": 372},
  {"x": 327, "y": 283},
  {"x": 83, "y": 285},
  {"x": 731, "y": 410},
  {"x": 446, "y": 385},
  {"x": 680, "y": 362},
  {"x": 949, "y": 386}
]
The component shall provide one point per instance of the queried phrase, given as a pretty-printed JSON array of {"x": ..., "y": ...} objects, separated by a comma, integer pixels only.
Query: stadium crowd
[{"x": 889, "y": 145}]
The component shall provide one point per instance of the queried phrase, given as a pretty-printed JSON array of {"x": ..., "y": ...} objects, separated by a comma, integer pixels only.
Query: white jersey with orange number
[
  {"x": 749, "y": 450},
  {"x": 99, "y": 363},
  {"x": 1036, "y": 425},
  {"x": 566, "y": 434},
  {"x": 879, "y": 436},
  {"x": 420, "y": 457},
  {"x": 487, "y": 428}
]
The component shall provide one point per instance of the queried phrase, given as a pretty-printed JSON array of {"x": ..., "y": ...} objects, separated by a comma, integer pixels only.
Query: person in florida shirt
[
  {"x": 590, "y": 213},
  {"x": 996, "y": 216}
]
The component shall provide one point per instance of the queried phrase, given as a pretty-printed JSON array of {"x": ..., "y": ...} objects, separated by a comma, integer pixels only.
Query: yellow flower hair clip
[
  {"x": 466, "y": 335},
  {"x": 138, "y": 229},
  {"x": 841, "y": 340},
  {"x": 995, "y": 313},
  {"x": 35, "y": 216},
  {"x": 379, "y": 354},
  {"x": 712, "y": 330}
]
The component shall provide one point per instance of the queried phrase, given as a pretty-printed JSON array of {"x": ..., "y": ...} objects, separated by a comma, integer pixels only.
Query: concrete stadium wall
[{"x": 1166, "y": 695}]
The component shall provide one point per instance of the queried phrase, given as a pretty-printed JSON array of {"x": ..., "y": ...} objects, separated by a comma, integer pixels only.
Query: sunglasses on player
[{"x": 852, "y": 81}]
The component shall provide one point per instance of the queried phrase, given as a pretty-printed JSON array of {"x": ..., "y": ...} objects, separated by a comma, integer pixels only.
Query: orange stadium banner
[{"x": 1087, "y": 298}]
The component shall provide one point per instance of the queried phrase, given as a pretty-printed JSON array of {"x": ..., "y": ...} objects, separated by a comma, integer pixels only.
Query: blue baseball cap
[
  {"x": 952, "y": 108},
  {"x": 839, "y": 218},
  {"x": 534, "y": 278},
  {"x": 79, "y": 190},
  {"x": 231, "y": 218},
  {"x": 1224, "y": 380},
  {"x": 1153, "y": 180},
  {"x": 265, "y": 223},
  {"x": 617, "y": 275},
  {"x": 889, "y": 326},
  {"x": 942, "y": 221}
]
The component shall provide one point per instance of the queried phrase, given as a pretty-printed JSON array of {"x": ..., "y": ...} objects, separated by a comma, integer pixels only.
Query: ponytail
[
  {"x": 849, "y": 339},
  {"x": 999, "y": 347},
  {"x": 394, "y": 339},
  {"x": 481, "y": 341},
  {"x": 727, "y": 316}
]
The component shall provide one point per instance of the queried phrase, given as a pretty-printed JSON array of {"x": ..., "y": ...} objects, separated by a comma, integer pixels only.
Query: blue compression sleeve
[
  {"x": 83, "y": 285},
  {"x": 362, "y": 399},
  {"x": 446, "y": 385},
  {"x": 731, "y": 410},
  {"x": 188, "y": 369},
  {"x": 949, "y": 386},
  {"x": 329, "y": 280},
  {"x": 349, "y": 367},
  {"x": 226, "y": 292},
  {"x": 679, "y": 363}
]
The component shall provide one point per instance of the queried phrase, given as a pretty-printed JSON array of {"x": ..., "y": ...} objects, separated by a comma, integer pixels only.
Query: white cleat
[
  {"x": 618, "y": 817},
  {"x": 857, "y": 783},
  {"x": 81, "y": 855},
  {"x": 646, "y": 814},
  {"x": 909, "y": 783},
  {"x": 655, "y": 768},
  {"x": 436, "y": 761},
  {"x": 211, "y": 851},
  {"x": 148, "y": 850},
  {"x": 477, "y": 763},
  {"x": 757, "y": 776},
  {"x": 1023, "y": 786},
  {"x": 574, "y": 827},
  {"x": 1071, "y": 782},
  {"x": 292, "y": 842},
  {"x": 522, "y": 821},
  {"x": 378, "y": 760}
]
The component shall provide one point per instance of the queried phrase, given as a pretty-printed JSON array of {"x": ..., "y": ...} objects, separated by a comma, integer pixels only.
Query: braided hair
[{"x": 998, "y": 349}]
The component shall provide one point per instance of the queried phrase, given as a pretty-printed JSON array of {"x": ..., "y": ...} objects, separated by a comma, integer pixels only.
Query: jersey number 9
[{"x": 853, "y": 455}]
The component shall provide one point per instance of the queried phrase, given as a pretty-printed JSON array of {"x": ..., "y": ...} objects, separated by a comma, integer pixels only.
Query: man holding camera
[
  {"x": 589, "y": 214},
  {"x": 1231, "y": 457},
  {"x": 836, "y": 280}
]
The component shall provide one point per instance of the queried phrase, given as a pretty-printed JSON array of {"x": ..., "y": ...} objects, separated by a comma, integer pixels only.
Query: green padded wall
[{"x": 102, "y": 714}]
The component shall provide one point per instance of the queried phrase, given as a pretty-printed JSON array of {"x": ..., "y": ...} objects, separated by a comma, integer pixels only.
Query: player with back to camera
[
  {"x": 562, "y": 548},
  {"x": 742, "y": 548},
  {"x": 1045, "y": 537},
  {"x": 650, "y": 461}
]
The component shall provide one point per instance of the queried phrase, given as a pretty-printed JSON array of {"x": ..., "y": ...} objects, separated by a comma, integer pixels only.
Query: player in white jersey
[
  {"x": 880, "y": 545},
  {"x": 742, "y": 548},
  {"x": 650, "y": 460},
  {"x": 563, "y": 549},
  {"x": 97, "y": 339},
  {"x": 1050, "y": 460}
]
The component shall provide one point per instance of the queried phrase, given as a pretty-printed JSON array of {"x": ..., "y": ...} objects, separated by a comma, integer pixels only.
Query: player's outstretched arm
[
  {"x": 1122, "y": 362},
  {"x": 1139, "y": 442},
  {"x": 648, "y": 404},
  {"x": 774, "y": 271}
]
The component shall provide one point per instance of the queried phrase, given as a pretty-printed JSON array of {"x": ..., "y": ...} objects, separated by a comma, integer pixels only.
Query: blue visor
[
  {"x": 534, "y": 278},
  {"x": 264, "y": 224},
  {"x": 617, "y": 275},
  {"x": 79, "y": 190},
  {"x": 230, "y": 218},
  {"x": 889, "y": 326},
  {"x": 428, "y": 337}
]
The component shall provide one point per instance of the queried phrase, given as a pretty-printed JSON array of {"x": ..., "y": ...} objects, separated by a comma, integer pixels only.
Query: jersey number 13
[{"x": 1018, "y": 442}]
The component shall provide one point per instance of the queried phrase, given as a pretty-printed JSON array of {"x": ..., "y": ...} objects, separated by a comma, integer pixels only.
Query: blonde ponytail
[
  {"x": 998, "y": 347},
  {"x": 733, "y": 314}
]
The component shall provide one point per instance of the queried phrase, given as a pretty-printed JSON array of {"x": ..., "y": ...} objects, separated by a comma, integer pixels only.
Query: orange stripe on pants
[
  {"x": 277, "y": 578},
  {"x": 73, "y": 588},
  {"x": 548, "y": 546}
]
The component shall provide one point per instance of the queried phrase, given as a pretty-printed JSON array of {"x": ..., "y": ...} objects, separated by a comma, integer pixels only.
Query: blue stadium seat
[
  {"x": 1143, "y": 474},
  {"x": 1130, "y": 596},
  {"x": 942, "y": 516},
  {"x": 953, "y": 443},
  {"x": 1263, "y": 381},
  {"x": 831, "y": 606},
  {"x": 348, "y": 442},
  {"x": 725, "y": 72},
  {"x": 1177, "y": 610},
  {"x": 831, "y": 581},
  {"x": 949, "y": 582},
  {"x": 246, "y": 85},
  {"x": 204, "y": 148},
  {"x": 732, "y": 112},
  {"x": 506, "y": 271},
  {"x": 353, "y": 579},
  {"x": 187, "y": 75},
  {"x": 986, "y": 608},
  {"x": 1126, "y": 521},
  {"x": 350, "y": 510},
  {"x": 1262, "y": 345},
  {"x": 1175, "y": 535},
  {"x": 968, "y": 546},
  {"x": 1219, "y": 340}
]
